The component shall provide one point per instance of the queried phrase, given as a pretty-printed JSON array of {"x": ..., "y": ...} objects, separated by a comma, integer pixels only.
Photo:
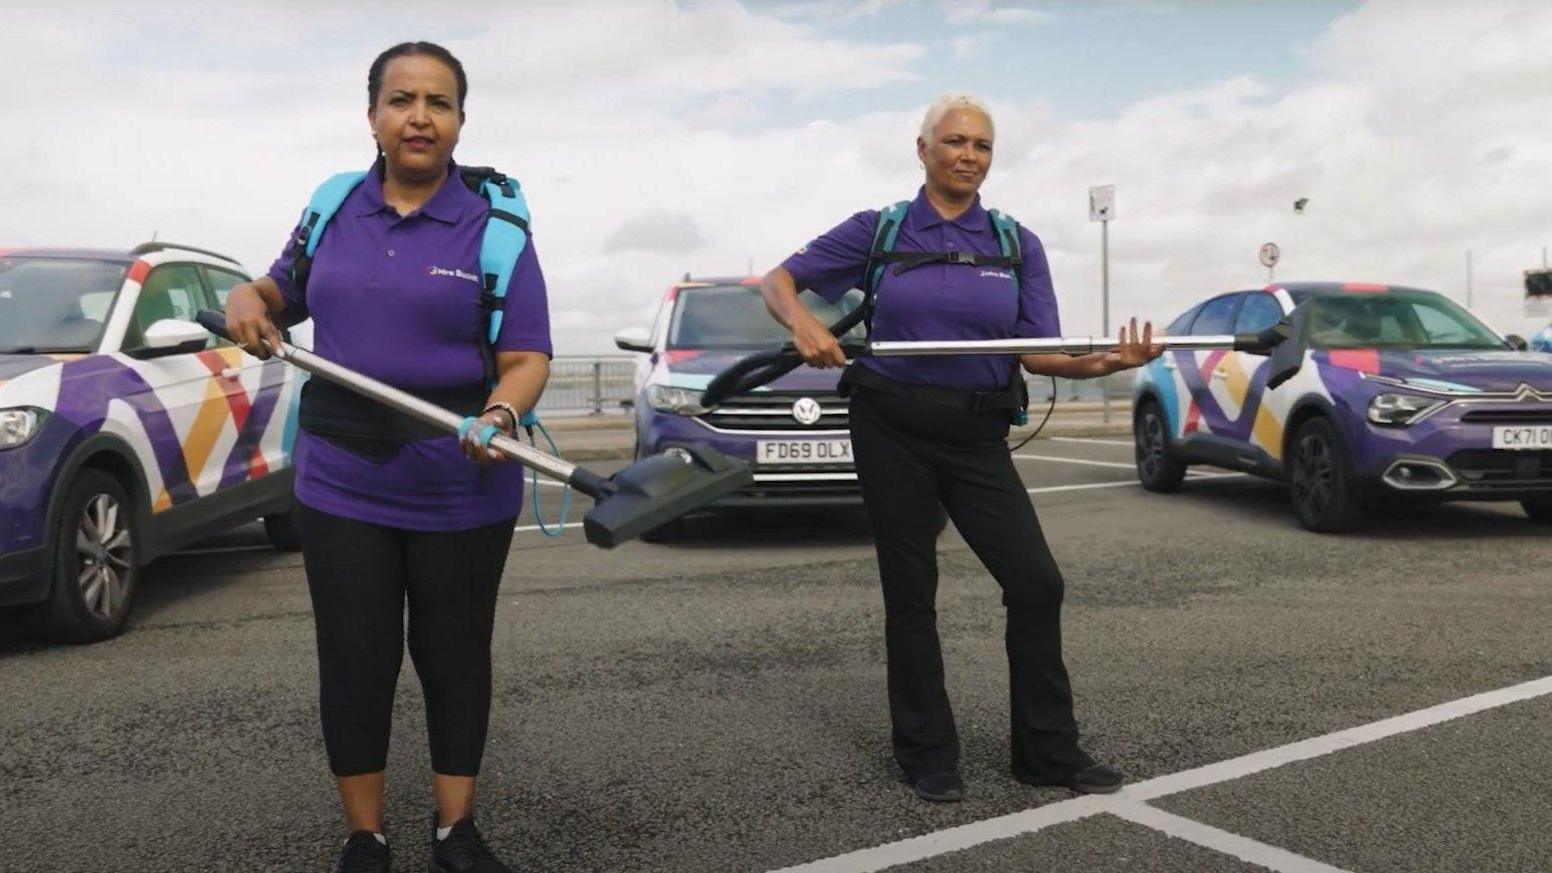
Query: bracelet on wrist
[{"x": 503, "y": 406}]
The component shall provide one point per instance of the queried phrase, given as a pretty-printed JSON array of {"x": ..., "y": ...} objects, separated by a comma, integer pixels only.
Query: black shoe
[
  {"x": 463, "y": 851},
  {"x": 944, "y": 787},
  {"x": 364, "y": 854},
  {"x": 1093, "y": 779}
]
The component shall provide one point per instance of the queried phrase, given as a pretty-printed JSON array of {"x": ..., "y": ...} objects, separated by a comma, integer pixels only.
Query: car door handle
[
  {"x": 1220, "y": 373},
  {"x": 231, "y": 372}
]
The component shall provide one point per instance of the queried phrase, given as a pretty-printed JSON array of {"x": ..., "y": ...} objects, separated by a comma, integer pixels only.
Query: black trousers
[
  {"x": 361, "y": 576},
  {"x": 913, "y": 457}
]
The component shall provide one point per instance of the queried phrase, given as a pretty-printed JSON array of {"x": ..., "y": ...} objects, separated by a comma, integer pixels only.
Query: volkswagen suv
[
  {"x": 793, "y": 431},
  {"x": 1402, "y": 395}
]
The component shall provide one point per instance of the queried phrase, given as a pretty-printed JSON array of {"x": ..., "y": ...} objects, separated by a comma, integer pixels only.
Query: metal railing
[
  {"x": 590, "y": 385},
  {"x": 606, "y": 384}
]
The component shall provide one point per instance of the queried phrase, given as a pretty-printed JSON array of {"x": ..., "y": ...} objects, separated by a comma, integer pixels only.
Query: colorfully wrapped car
[
  {"x": 126, "y": 430},
  {"x": 1402, "y": 395}
]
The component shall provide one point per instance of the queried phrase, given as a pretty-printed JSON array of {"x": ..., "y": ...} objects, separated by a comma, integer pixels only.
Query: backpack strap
[
  {"x": 320, "y": 209},
  {"x": 506, "y": 235},
  {"x": 1007, "y": 229},
  {"x": 884, "y": 236}
]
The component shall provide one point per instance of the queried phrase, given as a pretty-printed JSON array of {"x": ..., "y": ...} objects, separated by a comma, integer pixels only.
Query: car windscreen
[
  {"x": 1411, "y": 320},
  {"x": 734, "y": 317},
  {"x": 55, "y": 304}
]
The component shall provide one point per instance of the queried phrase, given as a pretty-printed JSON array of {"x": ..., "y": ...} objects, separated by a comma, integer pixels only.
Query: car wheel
[
  {"x": 96, "y": 552},
  {"x": 1539, "y": 509},
  {"x": 1158, "y": 469},
  {"x": 1320, "y": 479},
  {"x": 282, "y": 530}
]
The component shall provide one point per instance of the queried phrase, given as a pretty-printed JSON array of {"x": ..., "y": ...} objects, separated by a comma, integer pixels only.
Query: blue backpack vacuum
[{"x": 883, "y": 254}]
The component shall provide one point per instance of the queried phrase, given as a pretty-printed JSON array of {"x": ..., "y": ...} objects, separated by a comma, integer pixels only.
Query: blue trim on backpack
[{"x": 503, "y": 242}]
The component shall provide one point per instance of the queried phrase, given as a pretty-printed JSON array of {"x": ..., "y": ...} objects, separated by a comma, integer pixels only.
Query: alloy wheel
[
  {"x": 105, "y": 556},
  {"x": 1314, "y": 476}
]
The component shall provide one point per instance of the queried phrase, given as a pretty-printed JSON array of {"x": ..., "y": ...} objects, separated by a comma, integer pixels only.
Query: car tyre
[
  {"x": 282, "y": 530},
  {"x": 1158, "y": 467},
  {"x": 95, "y": 563},
  {"x": 1320, "y": 479},
  {"x": 1539, "y": 509}
]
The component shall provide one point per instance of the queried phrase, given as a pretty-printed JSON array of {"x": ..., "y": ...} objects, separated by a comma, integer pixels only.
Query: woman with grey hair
[{"x": 930, "y": 432}]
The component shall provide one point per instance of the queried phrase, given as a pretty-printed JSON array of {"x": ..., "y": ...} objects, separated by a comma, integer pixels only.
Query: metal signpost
[
  {"x": 1270, "y": 253},
  {"x": 1102, "y": 209}
]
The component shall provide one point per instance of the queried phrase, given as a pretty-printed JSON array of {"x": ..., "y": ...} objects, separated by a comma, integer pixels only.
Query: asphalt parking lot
[{"x": 1281, "y": 699}]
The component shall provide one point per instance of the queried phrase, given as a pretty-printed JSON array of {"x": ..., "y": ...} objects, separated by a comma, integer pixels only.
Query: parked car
[
  {"x": 1402, "y": 395},
  {"x": 126, "y": 430},
  {"x": 793, "y": 431}
]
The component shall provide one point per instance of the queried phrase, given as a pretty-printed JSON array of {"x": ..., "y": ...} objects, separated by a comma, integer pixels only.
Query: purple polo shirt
[
  {"x": 937, "y": 301},
  {"x": 397, "y": 298}
]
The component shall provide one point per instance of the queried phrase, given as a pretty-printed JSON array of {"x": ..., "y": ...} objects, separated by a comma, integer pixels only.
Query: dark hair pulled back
[{"x": 374, "y": 76}]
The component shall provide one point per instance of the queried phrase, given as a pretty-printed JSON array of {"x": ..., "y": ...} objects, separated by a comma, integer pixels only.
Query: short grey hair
[{"x": 947, "y": 102}]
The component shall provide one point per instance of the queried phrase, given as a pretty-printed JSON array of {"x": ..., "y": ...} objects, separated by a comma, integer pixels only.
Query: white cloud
[
  {"x": 982, "y": 11},
  {"x": 1420, "y": 133},
  {"x": 656, "y": 230}
]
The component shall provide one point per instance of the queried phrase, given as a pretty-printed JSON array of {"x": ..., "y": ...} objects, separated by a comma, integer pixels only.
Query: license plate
[
  {"x": 803, "y": 452},
  {"x": 1537, "y": 436}
]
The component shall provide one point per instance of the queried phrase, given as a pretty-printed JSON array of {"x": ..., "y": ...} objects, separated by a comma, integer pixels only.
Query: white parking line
[
  {"x": 1049, "y": 489},
  {"x": 1092, "y": 441},
  {"x": 1086, "y": 461},
  {"x": 1243, "y": 848},
  {"x": 1129, "y": 804}
]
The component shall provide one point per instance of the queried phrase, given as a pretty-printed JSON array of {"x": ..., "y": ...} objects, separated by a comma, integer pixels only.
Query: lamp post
[{"x": 1102, "y": 209}]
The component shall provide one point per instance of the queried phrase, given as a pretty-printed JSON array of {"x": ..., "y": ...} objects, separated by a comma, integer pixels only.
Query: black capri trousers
[
  {"x": 360, "y": 576},
  {"x": 912, "y": 457}
]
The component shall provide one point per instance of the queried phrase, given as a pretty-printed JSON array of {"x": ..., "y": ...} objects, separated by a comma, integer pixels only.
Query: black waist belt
[
  {"x": 369, "y": 428},
  {"x": 1010, "y": 399}
]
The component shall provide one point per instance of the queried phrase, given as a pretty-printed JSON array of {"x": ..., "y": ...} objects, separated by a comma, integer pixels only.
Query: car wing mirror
[
  {"x": 1517, "y": 342},
  {"x": 168, "y": 336},
  {"x": 634, "y": 339}
]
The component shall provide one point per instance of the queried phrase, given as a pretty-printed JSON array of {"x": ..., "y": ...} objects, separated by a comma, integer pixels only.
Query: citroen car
[
  {"x": 793, "y": 432},
  {"x": 126, "y": 429},
  {"x": 1402, "y": 395}
]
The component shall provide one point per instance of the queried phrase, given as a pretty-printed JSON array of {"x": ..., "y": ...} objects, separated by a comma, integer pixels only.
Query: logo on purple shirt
[{"x": 451, "y": 274}]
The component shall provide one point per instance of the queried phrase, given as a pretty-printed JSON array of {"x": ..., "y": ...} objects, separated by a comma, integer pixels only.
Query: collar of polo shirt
[
  {"x": 447, "y": 205},
  {"x": 922, "y": 215}
]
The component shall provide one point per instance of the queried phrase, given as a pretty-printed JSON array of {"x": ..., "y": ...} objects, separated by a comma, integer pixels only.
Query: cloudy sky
[{"x": 654, "y": 138}]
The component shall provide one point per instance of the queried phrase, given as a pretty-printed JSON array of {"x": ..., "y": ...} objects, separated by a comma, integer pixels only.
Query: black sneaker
[
  {"x": 944, "y": 787},
  {"x": 463, "y": 851},
  {"x": 364, "y": 854},
  {"x": 1093, "y": 779}
]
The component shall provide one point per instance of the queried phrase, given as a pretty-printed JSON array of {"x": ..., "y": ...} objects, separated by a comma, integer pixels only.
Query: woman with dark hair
[
  {"x": 390, "y": 514},
  {"x": 929, "y": 432}
]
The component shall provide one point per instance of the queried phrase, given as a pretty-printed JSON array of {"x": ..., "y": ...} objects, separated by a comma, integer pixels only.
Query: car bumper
[
  {"x": 24, "y": 577},
  {"x": 1451, "y": 461},
  {"x": 775, "y": 485}
]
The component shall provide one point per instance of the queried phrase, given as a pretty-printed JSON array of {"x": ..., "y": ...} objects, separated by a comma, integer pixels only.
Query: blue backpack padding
[
  {"x": 506, "y": 234},
  {"x": 887, "y": 231}
]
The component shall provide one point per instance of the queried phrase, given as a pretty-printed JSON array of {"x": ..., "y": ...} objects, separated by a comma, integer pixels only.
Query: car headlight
[
  {"x": 1400, "y": 409},
  {"x": 680, "y": 401},
  {"x": 17, "y": 426}
]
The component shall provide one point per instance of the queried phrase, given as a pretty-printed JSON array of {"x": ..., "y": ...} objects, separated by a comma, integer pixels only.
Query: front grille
[
  {"x": 772, "y": 411},
  {"x": 1538, "y": 414},
  {"x": 1487, "y": 469}
]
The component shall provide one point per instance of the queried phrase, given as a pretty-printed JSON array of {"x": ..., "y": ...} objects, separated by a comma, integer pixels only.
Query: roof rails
[{"x": 149, "y": 247}]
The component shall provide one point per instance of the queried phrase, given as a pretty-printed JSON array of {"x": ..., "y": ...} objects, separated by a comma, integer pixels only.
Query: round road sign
[{"x": 1269, "y": 255}]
